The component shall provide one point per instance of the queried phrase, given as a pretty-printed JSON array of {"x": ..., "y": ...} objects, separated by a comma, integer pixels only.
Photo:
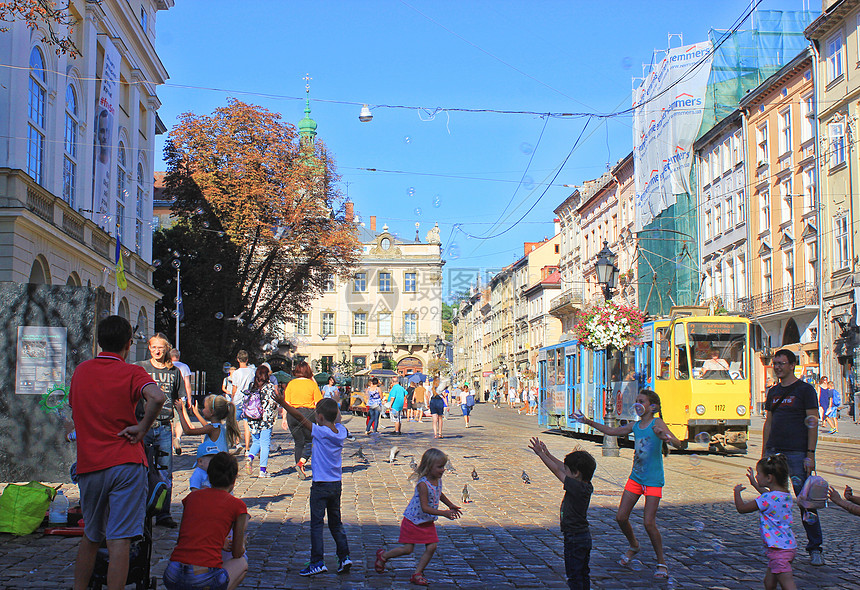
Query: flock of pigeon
[{"x": 449, "y": 467}]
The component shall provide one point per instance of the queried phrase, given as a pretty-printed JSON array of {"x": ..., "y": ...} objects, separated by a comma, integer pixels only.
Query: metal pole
[
  {"x": 610, "y": 443},
  {"x": 178, "y": 299}
]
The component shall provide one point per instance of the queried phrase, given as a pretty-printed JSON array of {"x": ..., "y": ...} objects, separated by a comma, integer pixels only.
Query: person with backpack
[
  {"x": 260, "y": 411},
  {"x": 791, "y": 429},
  {"x": 830, "y": 412}
]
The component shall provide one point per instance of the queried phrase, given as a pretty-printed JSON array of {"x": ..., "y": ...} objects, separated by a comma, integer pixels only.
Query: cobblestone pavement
[{"x": 508, "y": 536}]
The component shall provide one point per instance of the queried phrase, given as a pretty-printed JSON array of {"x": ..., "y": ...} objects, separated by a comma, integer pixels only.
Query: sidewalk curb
[{"x": 824, "y": 438}]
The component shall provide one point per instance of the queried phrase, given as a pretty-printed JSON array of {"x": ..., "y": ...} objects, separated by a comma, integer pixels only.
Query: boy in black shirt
[{"x": 575, "y": 473}]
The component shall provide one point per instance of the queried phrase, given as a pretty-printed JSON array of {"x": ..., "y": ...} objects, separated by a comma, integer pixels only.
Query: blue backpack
[{"x": 837, "y": 398}]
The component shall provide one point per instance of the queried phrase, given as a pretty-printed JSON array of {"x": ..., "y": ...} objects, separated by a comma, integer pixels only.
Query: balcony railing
[
  {"x": 569, "y": 297},
  {"x": 784, "y": 299},
  {"x": 405, "y": 338}
]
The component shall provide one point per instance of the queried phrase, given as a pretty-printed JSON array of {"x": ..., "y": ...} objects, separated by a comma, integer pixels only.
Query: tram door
[
  {"x": 572, "y": 397},
  {"x": 542, "y": 394}
]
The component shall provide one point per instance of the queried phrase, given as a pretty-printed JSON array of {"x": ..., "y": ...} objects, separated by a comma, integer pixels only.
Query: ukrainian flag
[{"x": 120, "y": 269}]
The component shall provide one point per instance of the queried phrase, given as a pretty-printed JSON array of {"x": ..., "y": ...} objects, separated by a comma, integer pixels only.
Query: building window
[
  {"x": 410, "y": 282},
  {"x": 726, "y": 153},
  {"x": 410, "y": 323},
  {"x": 141, "y": 199},
  {"x": 326, "y": 363},
  {"x": 385, "y": 282},
  {"x": 143, "y": 18},
  {"x": 787, "y": 208},
  {"x": 70, "y": 165},
  {"x": 329, "y": 284},
  {"x": 834, "y": 57},
  {"x": 737, "y": 153},
  {"x": 36, "y": 116},
  {"x": 730, "y": 212},
  {"x": 359, "y": 323},
  {"x": 740, "y": 203},
  {"x": 120, "y": 221},
  {"x": 715, "y": 163},
  {"x": 384, "y": 323},
  {"x": 785, "y": 131},
  {"x": 807, "y": 124},
  {"x": 718, "y": 219},
  {"x": 764, "y": 217},
  {"x": 812, "y": 262},
  {"x": 359, "y": 282},
  {"x": 709, "y": 223},
  {"x": 327, "y": 323},
  {"x": 836, "y": 135},
  {"x": 808, "y": 179},
  {"x": 706, "y": 171},
  {"x": 762, "y": 151},
  {"x": 303, "y": 324},
  {"x": 767, "y": 276},
  {"x": 741, "y": 276},
  {"x": 789, "y": 267},
  {"x": 840, "y": 241}
]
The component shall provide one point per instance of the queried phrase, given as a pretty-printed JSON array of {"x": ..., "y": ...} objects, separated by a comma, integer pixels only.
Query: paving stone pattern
[{"x": 508, "y": 536}]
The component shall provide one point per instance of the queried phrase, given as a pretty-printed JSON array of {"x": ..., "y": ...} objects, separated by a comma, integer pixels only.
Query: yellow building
[{"x": 63, "y": 203}]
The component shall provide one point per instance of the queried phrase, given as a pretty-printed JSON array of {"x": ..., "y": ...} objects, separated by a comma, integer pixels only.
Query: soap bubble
[
  {"x": 717, "y": 546},
  {"x": 182, "y": 325},
  {"x": 156, "y": 263},
  {"x": 417, "y": 211},
  {"x": 811, "y": 421},
  {"x": 226, "y": 367},
  {"x": 437, "y": 201},
  {"x": 175, "y": 263},
  {"x": 795, "y": 481},
  {"x": 205, "y": 224},
  {"x": 840, "y": 468},
  {"x": 454, "y": 251},
  {"x": 175, "y": 313},
  {"x": 104, "y": 313},
  {"x": 74, "y": 351},
  {"x": 528, "y": 183},
  {"x": 636, "y": 565},
  {"x": 695, "y": 460},
  {"x": 626, "y": 63},
  {"x": 411, "y": 191},
  {"x": 217, "y": 268},
  {"x": 526, "y": 147},
  {"x": 703, "y": 438},
  {"x": 200, "y": 211},
  {"x": 810, "y": 518},
  {"x": 698, "y": 526},
  {"x": 639, "y": 409},
  {"x": 219, "y": 315},
  {"x": 407, "y": 139}
]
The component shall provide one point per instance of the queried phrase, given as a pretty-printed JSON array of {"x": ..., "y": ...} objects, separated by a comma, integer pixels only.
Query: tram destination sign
[{"x": 717, "y": 328}]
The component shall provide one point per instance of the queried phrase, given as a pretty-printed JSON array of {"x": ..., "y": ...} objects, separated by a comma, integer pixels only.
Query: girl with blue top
[
  {"x": 217, "y": 423},
  {"x": 646, "y": 479},
  {"x": 374, "y": 405}
]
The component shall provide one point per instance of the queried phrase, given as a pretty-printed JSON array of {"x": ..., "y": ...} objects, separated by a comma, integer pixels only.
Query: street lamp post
[{"x": 607, "y": 274}]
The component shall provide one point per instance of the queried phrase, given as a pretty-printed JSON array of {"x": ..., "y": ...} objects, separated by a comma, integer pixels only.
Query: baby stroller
[{"x": 141, "y": 549}]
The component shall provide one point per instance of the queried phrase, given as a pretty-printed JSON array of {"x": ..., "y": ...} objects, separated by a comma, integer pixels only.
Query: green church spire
[{"x": 307, "y": 126}]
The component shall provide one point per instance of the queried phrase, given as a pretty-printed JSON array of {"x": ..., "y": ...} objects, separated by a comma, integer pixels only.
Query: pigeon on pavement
[
  {"x": 466, "y": 494},
  {"x": 475, "y": 474},
  {"x": 393, "y": 453},
  {"x": 525, "y": 477}
]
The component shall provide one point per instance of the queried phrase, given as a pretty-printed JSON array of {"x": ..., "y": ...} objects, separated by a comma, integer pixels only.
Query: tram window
[
  {"x": 550, "y": 365},
  {"x": 682, "y": 367},
  {"x": 664, "y": 353},
  {"x": 647, "y": 365},
  {"x": 572, "y": 360},
  {"x": 718, "y": 349},
  {"x": 559, "y": 368}
]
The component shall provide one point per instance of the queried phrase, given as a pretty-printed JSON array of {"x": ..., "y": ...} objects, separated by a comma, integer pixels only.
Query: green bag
[{"x": 23, "y": 507}]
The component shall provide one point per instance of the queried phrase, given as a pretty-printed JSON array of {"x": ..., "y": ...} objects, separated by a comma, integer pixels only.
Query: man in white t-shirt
[
  {"x": 185, "y": 371},
  {"x": 242, "y": 379}
]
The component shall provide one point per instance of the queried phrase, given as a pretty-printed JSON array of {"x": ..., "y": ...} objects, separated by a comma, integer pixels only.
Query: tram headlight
[
  {"x": 700, "y": 409},
  {"x": 742, "y": 410}
]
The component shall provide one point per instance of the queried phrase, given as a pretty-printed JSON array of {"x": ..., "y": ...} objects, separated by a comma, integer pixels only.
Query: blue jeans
[
  {"x": 161, "y": 438},
  {"x": 325, "y": 497},
  {"x": 577, "y": 552},
  {"x": 373, "y": 418},
  {"x": 798, "y": 476},
  {"x": 180, "y": 576},
  {"x": 260, "y": 443}
]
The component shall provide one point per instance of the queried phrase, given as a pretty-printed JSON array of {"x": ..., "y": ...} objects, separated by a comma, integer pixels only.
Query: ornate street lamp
[
  {"x": 607, "y": 274},
  {"x": 439, "y": 347}
]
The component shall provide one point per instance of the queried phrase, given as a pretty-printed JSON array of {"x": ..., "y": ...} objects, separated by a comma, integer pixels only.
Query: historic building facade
[{"x": 77, "y": 161}]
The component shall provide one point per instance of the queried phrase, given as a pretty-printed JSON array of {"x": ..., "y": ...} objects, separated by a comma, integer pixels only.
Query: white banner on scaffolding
[
  {"x": 667, "y": 114},
  {"x": 105, "y": 136}
]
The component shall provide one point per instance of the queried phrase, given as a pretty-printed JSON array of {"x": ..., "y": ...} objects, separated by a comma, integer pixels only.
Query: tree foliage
[
  {"x": 241, "y": 175},
  {"x": 38, "y": 14}
]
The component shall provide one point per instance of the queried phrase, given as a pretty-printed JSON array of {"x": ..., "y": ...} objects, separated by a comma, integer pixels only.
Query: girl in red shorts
[
  {"x": 418, "y": 524},
  {"x": 770, "y": 479},
  {"x": 650, "y": 434}
]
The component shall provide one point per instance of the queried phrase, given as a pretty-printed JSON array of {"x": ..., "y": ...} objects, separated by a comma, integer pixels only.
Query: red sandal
[
  {"x": 419, "y": 580},
  {"x": 379, "y": 564}
]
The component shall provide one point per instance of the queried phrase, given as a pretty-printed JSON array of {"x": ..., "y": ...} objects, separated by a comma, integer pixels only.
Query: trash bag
[
  {"x": 814, "y": 493},
  {"x": 23, "y": 507}
]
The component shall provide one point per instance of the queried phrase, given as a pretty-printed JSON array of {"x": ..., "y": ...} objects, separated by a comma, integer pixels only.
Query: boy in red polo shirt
[
  {"x": 209, "y": 514},
  {"x": 111, "y": 461}
]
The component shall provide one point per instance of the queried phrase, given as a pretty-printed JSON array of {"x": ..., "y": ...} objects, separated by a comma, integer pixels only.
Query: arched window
[
  {"x": 141, "y": 198},
  {"x": 122, "y": 309},
  {"x": 791, "y": 334},
  {"x": 121, "y": 193},
  {"x": 36, "y": 115},
  {"x": 39, "y": 272},
  {"x": 70, "y": 160}
]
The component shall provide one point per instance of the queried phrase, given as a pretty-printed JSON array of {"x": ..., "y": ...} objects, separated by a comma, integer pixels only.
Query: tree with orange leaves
[
  {"x": 240, "y": 177},
  {"x": 37, "y": 13}
]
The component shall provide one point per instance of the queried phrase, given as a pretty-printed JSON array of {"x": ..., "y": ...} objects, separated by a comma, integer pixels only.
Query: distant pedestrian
[
  {"x": 418, "y": 525},
  {"x": 512, "y": 396},
  {"x": 790, "y": 429},
  {"x": 111, "y": 460},
  {"x": 397, "y": 399},
  {"x": 217, "y": 422},
  {"x": 227, "y": 383},
  {"x": 467, "y": 402},
  {"x": 261, "y": 424},
  {"x": 330, "y": 389},
  {"x": 647, "y": 476},
  {"x": 328, "y": 438},
  {"x": 374, "y": 405},
  {"x": 770, "y": 479},
  {"x": 419, "y": 396},
  {"x": 437, "y": 411},
  {"x": 185, "y": 371},
  {"x": 242, "y": 379},
  {"x": 303, "y": 394},
  {"x": 575, "y": 474}
]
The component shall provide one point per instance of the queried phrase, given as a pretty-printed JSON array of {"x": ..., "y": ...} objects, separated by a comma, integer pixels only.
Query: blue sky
[{"x": 447, "y": 167}]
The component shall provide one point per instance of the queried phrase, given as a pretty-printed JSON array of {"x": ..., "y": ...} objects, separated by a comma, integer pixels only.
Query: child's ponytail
[{"x": 232, "y": 424}]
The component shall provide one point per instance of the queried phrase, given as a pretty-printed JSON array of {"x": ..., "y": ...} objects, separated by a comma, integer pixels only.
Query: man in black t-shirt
[
  {"x": 791, "y": 429},
  {"x": 160, "y": 435}
]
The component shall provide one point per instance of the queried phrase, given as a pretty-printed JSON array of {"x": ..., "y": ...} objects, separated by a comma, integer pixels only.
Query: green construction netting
[{"x": 668, "y": 262}]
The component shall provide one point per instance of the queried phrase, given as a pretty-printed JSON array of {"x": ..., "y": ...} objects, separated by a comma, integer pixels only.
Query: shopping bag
[
  {"x": 23, "y": 507},
  {"x": 814, "y": 493}
]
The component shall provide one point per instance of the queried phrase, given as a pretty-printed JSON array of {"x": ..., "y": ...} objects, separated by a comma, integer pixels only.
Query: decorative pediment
[
  {"x": 787, "y": 240},
  {"x": 385, "y": 246},
  {"x": 765, "y": 248},
  {"x": 810, "y": 232}
]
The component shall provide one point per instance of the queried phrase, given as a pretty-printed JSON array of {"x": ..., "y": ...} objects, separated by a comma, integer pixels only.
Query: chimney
[
  {"x": 348, "y": 212},
  {"x": 373, "y": 223}
]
